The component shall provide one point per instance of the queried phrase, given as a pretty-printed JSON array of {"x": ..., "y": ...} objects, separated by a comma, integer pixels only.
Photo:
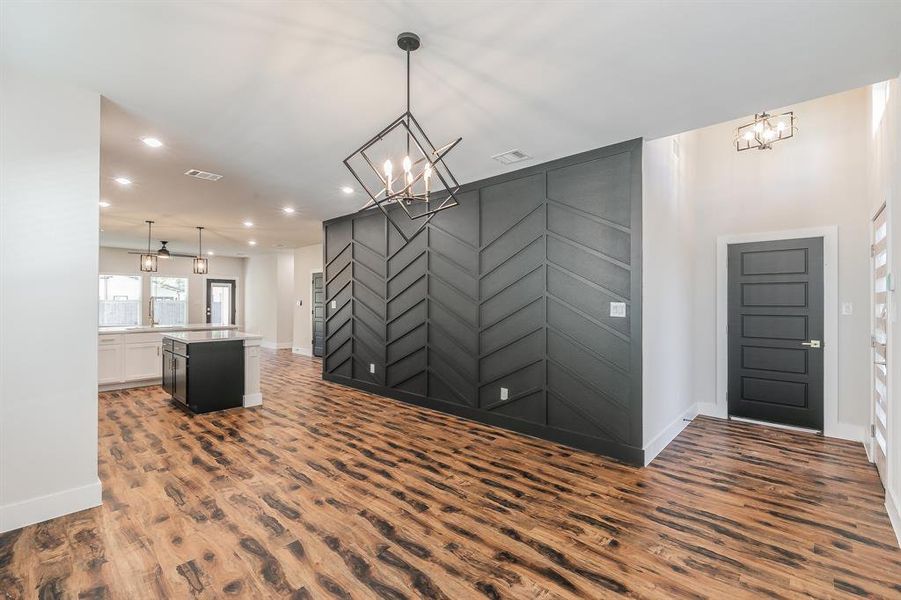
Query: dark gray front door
[
  {"x": 776, "y": 331},
  {"x": 318, "y": 315}
]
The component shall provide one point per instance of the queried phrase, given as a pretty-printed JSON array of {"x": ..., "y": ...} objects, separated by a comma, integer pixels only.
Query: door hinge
[
  {"x": 872, "y": 249},
  {"x": 872, "y": 430}
]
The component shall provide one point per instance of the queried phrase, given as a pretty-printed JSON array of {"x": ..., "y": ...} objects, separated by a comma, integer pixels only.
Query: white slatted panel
[{"x": 880, "y": 337}]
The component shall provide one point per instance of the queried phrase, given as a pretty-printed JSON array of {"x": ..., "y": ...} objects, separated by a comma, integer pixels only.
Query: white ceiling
[{"x": 273, "y": 95}]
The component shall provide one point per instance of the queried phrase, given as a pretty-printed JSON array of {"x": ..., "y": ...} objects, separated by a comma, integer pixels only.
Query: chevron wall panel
[{"x": 499, "y": 310}]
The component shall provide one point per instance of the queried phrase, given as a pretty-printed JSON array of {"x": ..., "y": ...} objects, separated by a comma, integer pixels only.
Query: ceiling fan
[{"x": 163, "y": 252}]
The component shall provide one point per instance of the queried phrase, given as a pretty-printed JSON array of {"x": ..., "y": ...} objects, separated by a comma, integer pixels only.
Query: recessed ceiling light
[
  {"x": 152, "y": 142},
  {"x": 347, "y": 189},
  {"x": 210, "y": 253},
  {"x": 252, "y": 242},
  {"x": 104, "y": 204},
  {"x": 288, "y": 210},
  {"x": 248, "y": 223},
  {"x": 123, "y": 181}
]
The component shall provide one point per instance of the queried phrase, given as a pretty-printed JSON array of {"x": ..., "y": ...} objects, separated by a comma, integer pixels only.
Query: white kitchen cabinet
[
  {"x": 143, "y": 360},
  {"x": 110, "y": 363}
]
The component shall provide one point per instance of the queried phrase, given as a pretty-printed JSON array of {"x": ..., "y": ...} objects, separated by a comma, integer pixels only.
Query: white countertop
[
  {"x": 164, "y": 329},
  {"x": 211, "y": 336}
]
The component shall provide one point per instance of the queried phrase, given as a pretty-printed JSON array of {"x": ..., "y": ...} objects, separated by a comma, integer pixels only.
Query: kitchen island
[
  {"x": 206, "y": 371},
  {"x": 130, "y": 356}
]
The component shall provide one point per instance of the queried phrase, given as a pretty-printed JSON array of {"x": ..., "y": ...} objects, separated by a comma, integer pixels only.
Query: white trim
[
  {"x": 893, "y": 508},
  {"x": 669, "y": 433},
  {"x": 831, "y": 425},
  {"x": 302, "y": 351},
  {"x": 275, "y": 345},
  {"x": 776, "y": 425},
  {"x": 42, "y": 508},
  {"x": 255, "y": 399}
]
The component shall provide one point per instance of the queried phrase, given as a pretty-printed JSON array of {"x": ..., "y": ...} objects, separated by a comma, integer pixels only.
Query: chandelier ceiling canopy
[{"x": 420, "y": 183}]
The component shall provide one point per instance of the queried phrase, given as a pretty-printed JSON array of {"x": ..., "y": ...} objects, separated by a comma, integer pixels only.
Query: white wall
[
  {"x": 269, "y": 298},
  {"x": 49, "y": 233},
  {"x": 667, "y": 273},
  {"x": 261, "y": 297},
  {"x": 285, "y": 299},
  {"x": 818, "y": 178},
  {"x": 117, "y": 261},
  {"x": 307, "y": 260},
  {"x": 885, "y": 187}
]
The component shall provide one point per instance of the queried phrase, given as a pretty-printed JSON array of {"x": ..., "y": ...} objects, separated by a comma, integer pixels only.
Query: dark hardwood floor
[{"x": 327, "y": 492}]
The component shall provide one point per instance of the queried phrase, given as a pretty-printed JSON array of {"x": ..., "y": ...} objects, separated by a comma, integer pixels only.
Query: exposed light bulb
[
  {"x": 210, "y": 253},
  {"x": 749, "y": 135},
  {"x": 388, "y": 168},
  {"x": 781, "y": 126},
  {"x": 769, "y": 134},
  {"x": 408, "y": 164},
  {"x": 152, "y": 142},
  {"x": 758, "y": 127},
  {"x": 347, "y": 189},
  {"x": 427, "y": 176}
]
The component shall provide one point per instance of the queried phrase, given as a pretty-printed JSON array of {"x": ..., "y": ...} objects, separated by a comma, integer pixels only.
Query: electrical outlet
[
  {"x": 505, "y": 394},
  {"x": 372, "y": 367},
  {"x": 847, "y": 308},
  {"x": 334, "y": 304},
  {"x": 617, "y": 309}
]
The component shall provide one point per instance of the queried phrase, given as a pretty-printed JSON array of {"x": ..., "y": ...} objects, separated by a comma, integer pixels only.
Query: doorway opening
[{"x": 220, "y": 301}]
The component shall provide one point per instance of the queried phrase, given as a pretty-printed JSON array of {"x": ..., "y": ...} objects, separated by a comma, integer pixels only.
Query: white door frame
[{"x": 831, "y": 425}]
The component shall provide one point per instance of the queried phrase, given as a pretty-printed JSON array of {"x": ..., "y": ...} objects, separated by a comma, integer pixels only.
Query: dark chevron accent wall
[{"x": 511, "y": 289}]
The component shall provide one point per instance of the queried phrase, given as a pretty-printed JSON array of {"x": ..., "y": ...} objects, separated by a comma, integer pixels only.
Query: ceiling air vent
[
  {"x": 511, "y": 156},
  {"x": 203, "y": 175}
]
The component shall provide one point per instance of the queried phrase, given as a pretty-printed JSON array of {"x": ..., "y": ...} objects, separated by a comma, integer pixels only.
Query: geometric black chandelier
[
  {"x": 420, "y": 182},
  {"x": 764, "y": 131}
]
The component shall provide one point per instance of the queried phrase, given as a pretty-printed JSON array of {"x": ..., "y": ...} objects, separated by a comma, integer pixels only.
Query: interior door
[
  {"x": 776, "y": 331},
  {"x": 220, "y": 301},
  {"x": 318, "y": 315},
  {"x": 879, "y": 253}
]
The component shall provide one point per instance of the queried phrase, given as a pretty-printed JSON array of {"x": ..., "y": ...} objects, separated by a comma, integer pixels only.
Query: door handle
[{"x": 811, "y": 344}]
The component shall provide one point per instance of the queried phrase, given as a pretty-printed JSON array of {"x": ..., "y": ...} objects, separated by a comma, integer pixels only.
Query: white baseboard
[
  {"x": 893, "y": 508},
  {"x": 302, "y": 351},
  {"x": 275, "y": 345},
  {"x": 712, "y": 409},
  {"x": 847, "y": 431},
  {"x": 662, "y": 440},
  {"x": 253, "y": 399},
  {"x": 42, "y": 508}
]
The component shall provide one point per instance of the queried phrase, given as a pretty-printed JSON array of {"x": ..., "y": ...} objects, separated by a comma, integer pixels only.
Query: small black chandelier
[
  {"x": 426, "y": 185},
  {"x": 201, "y": 263},
  {"x": 764, "y": 131},
  {"x": 149, "y": 260}
]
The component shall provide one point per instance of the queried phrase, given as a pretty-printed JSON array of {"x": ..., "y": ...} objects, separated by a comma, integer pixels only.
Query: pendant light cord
[{"x": 408, "y": 103}]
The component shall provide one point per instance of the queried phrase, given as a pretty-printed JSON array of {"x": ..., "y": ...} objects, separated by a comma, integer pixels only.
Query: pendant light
[
  {"x": 201, "y": 264},
  {"x": 765, "y": 130},
  {"x": 425, "y": 186},
  {"x": 148, "y": 261}
]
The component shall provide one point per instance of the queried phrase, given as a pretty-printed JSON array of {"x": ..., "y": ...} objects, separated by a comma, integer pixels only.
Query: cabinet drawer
[
  {"x": 180, "y": 348},
  {"x": 105, "y": 340},
  {"x": 142, "y": 338},
  {"x": 167, "y": 344}
]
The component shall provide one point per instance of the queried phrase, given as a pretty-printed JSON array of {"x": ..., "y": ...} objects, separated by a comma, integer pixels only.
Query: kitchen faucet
[{"x": 153, "y": 321}]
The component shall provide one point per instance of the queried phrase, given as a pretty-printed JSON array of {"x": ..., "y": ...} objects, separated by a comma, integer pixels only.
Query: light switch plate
[
  {"x": 334, "y": 304},
  {"x": 847, "y": 308},
  {"x": 617, "y": 309},
  {"x": 505, "y": 393},
  {"x": 372, "y": 367}
]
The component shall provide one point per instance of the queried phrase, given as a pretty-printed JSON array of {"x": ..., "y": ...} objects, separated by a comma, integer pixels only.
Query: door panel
[
  {"x": 775, "y": 319},
  {"x": 879, "y": 281},
  {"x": 318, "y": 315}
]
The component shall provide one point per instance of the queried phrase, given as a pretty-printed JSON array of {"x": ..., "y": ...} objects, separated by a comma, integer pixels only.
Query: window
[
  {"x": 120, "y": 300},
  {"x": 170, "y": 300}
]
